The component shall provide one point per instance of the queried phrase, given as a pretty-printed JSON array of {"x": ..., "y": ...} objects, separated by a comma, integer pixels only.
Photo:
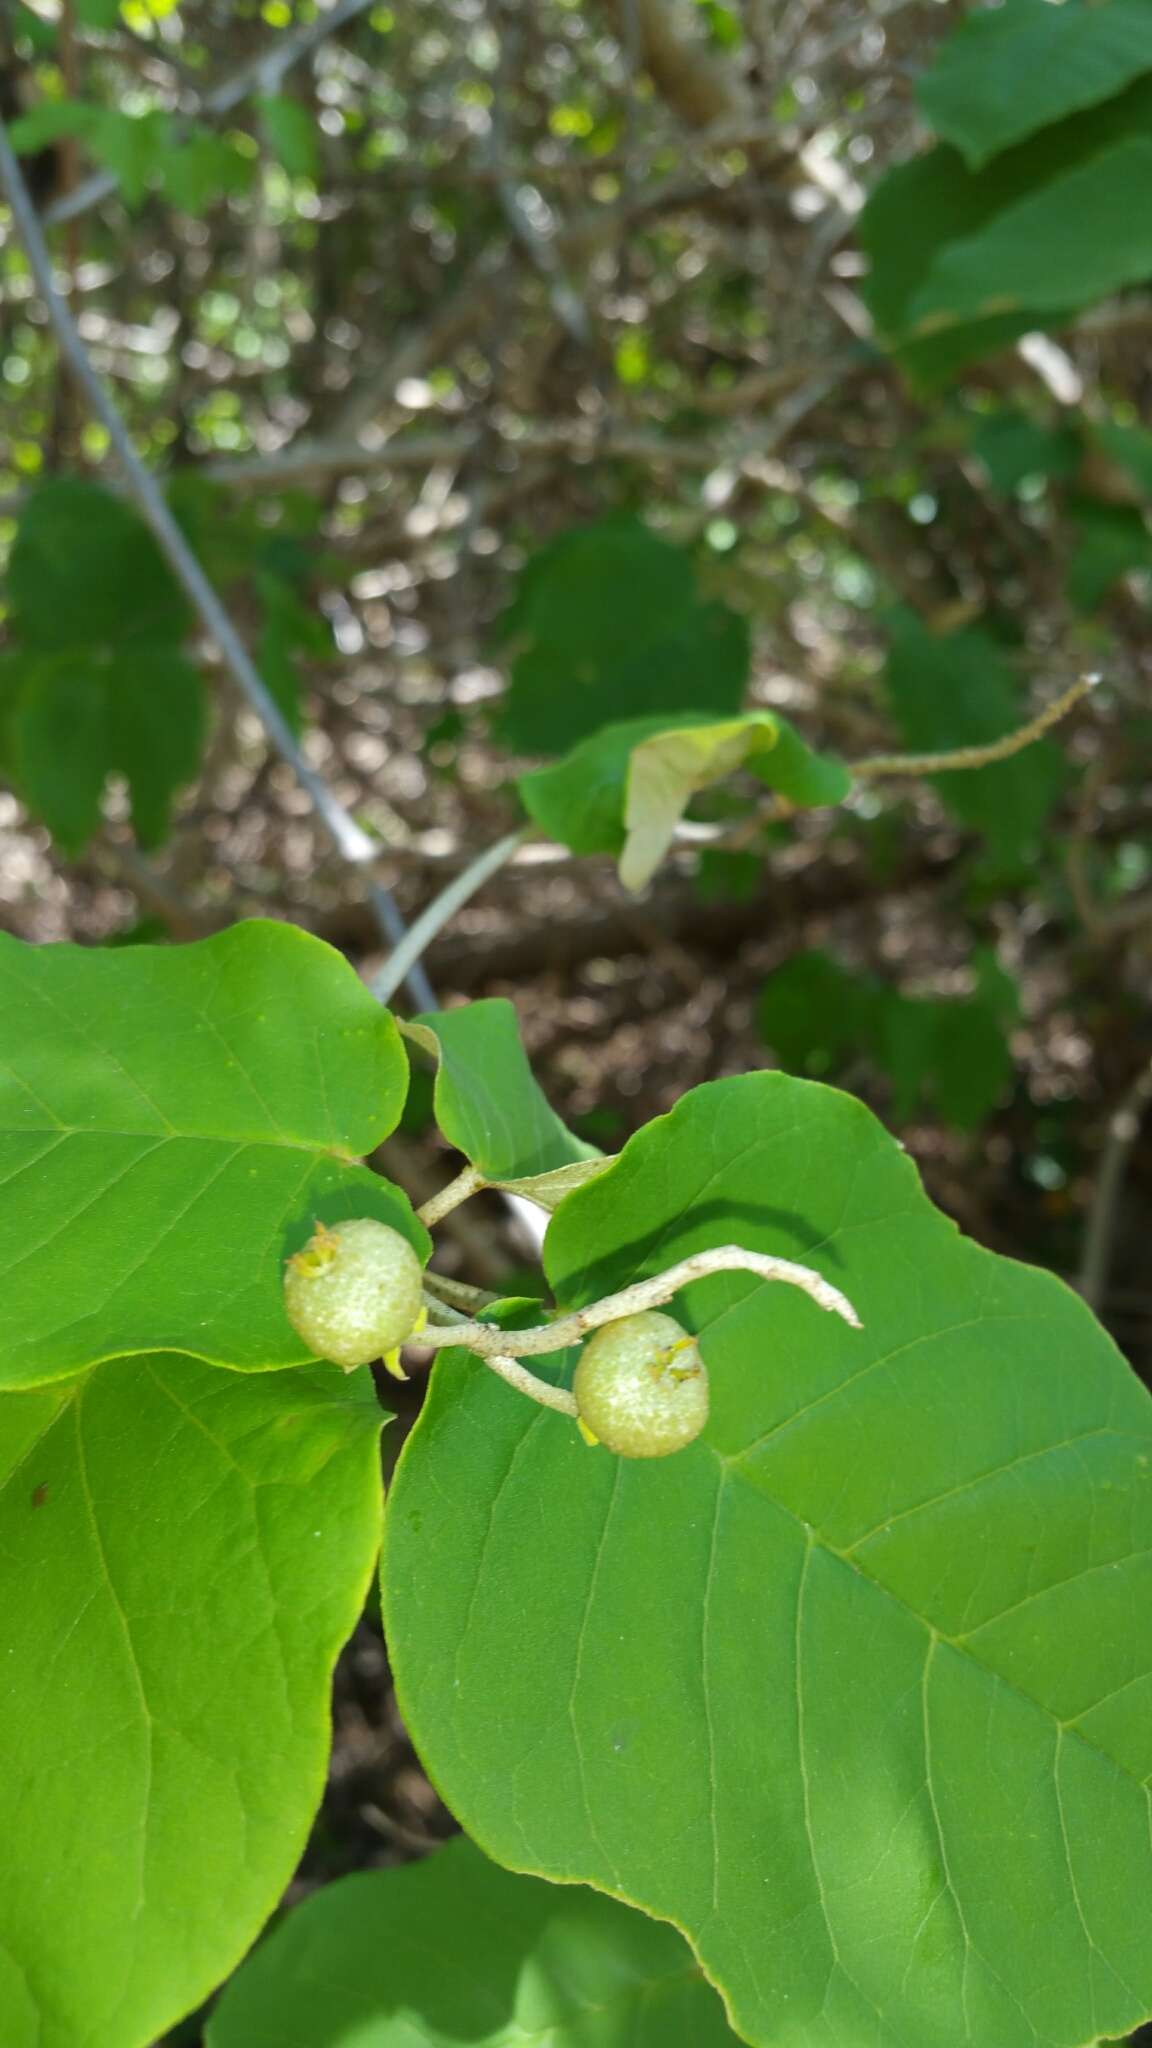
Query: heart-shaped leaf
[
  {"x": 456, "y": 1953},
  {"x": 182, "y": 1553},
  {"x": 172, "y": 1122},
  {"x": 856, "y": 1689}
]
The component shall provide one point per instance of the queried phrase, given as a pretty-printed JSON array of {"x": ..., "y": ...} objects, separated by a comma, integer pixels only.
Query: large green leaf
[
  {"x": 608, "y": 623},
  {"x": 172, "y": 1121},
  {"x": 624, "y": 789},
  {"x": 456, "y": 1953},
  {"x": 856, "y": 1689},
  {"x": 1075, "y": 240},
  {"x": 98, "y": 682},
  {"x": 488, "y": 1102},
  {"x": 86, "y": 571},
  {"x": 76, "y": 716},
  {"x": 1007, "y": 71},
  {"x": 920, "y": 210},
  {"x": 182, "y": 1553},
  {"x": 957, "y": 690}
]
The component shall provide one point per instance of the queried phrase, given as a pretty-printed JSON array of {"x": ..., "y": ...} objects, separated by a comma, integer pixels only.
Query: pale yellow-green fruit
[
  {"x": 641, "y": 1386},
  {"x": 355, "y": 1292}
]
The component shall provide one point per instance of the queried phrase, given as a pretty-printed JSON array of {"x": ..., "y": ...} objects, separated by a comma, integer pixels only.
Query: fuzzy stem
[
  {"x": 977, "y": 757},
  {"x": 467, "y": 1182},
  {"x": 487, "y": 1339},
  {"x": 458, "y": 1293},
  {"x": 526, "y": 1382}
]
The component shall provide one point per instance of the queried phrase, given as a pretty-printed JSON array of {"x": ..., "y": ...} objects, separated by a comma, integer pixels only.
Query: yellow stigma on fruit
[
  {"x": 355, "y": 1291},
  {"x": 641, "y": 1387}
]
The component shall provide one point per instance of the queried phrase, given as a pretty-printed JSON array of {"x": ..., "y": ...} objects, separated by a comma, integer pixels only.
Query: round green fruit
[
  {"x": 641, "y": 1386},
  {"x": 355, "y": 1292}
]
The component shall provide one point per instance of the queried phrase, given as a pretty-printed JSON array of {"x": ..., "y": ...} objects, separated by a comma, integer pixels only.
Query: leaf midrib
[{"x": 170, "y": 1134}]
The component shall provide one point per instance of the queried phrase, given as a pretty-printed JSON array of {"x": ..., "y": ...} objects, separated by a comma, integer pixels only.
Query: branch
[
  {"x": 977, "y": 757},
  {"x": 486, "y": 1338},
  {"x": 354, "y": 845},
  {"x": 402, "y": 961},
  {"x": 467, "y": 1182},
  {"x": 1123, "y": 1131}
]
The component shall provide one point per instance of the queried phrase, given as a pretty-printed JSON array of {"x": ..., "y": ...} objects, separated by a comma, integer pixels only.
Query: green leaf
[
  {"x": 200, "y": 1546},
  {"x": 172, "y": 1122},
  {"x": 487, "y": 1100},
  {"x": 1074, "y": 241},
  {"x": 921, "y": 210},
  {"x": 1014, "y": 448},
  {"x": 855, "y": 1689},
  {"x": 202, "y": 168},
  {"x": 608, "y": 624},
  {"x": 60, "y": 744},
  {"x": 454, "y": 1952},
  {"x": 812, "y": 1012},
  {"x": 85, "y": 569},
  {"x": 954, "y": 1051},
  {"x": 668, "y": 769},
  {"x": 1007, "y": 71},
  {"x": 1110, "y": 541},
  {"x": 956, "y": 690},
  {"x": 98, "y": 14},
  {"x": 48, "y": 123},
  {"x": 1130, "y": 447},
  {"x": 625, "y": 789},
  {"x": 135, "y": 147},
  {"x": 292, "y": 135},
  {"x": 78, "y": 716}
]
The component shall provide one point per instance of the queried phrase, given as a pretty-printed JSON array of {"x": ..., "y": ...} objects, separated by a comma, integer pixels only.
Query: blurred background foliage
[
  {"x": 518, "y": 371},
  {"x": 521, "y": 371}
]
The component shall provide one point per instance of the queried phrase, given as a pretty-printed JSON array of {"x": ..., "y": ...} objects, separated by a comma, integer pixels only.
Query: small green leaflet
[{"x": 490, "y": 1106}]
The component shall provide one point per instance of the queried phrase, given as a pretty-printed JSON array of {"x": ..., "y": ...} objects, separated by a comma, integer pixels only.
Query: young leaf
[
  {"x": 172, "y": 1123},
  {"x": 454, "y": 1952},
  {"x": 200, "y": 1546},
  {"x": 608, "y": 623},
  {"x": 487, "y": 1100},
  {"x": 855, "y": 1689},
  {"x": 1007, "y": 71},
  {"x": 668, "y": 769},
  {"x": 625, "y": 789}
]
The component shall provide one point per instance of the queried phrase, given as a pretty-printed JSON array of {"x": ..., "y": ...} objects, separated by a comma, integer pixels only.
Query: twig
[
  {"x": 486, "y": 1338},
  {"x": 401, "y": 963},
  {"x": 1123, "y": 1131},
  {"x": 352, "y": 843},
  {"x": 977, "y": 757},
  {"x": 458, "y": 1293},
  {"x": 468, "y": 1182}
]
